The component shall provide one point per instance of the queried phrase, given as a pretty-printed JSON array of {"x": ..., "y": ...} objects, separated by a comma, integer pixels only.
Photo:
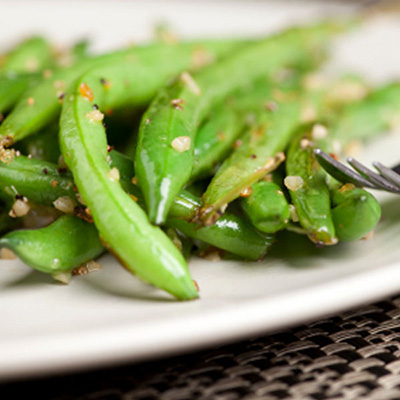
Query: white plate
[{"x": 109, "y": 317}]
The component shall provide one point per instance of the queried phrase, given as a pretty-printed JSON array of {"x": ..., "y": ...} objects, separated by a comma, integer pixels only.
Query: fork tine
[
  {"x": 372, "y": 176},
  {"x": 388, "y": 173},
  {"x": 340, "y": 171}
]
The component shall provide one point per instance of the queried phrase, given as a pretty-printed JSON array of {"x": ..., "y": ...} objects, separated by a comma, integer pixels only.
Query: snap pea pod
[
  {"x": 62, "y": 246},
  {"x": 11, "y": 89},
  {"x": 41, "y": 182},
  {"x": 32, "y": 55},
  {"x": 216, "y": 137},
  {"x": 165, "y": 155},
  {"x": 253, "y": 244},
  {"x": 258, "y": 154},
  {"x": 267, "y": 207},
  {"x": 20, "y": 70},
  {"x": 376, "y": 113},
  {"x": 29, "y": 116},
  {"x": 360, "y": 120},
  {"x": 183, "y": 243},
  {"x": 42, "y": 145},
  {"x": 307, "y": 186},
  {"x": 124, "y": 228},
  {"x": 307, "y": 181},
  {"x": 355, "y": 212},
  {"x": 80, "y": 50},
  {"x": 7, "y": 223},
  {"x": 215, "y": 140},
  {"x": 230, "y": 232}
]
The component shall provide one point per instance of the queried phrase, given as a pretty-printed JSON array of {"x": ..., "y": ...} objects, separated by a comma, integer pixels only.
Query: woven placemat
[{"x": 355, "y": 355}]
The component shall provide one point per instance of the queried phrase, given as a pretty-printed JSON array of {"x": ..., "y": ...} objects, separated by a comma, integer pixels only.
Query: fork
[{"x": 387, "y": 179}]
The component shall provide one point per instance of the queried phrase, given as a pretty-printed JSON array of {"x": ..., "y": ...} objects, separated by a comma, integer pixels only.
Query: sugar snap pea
[
  {"x": 215, "y": 140},
  {"x": 165, "y": 154},
  {"x": 258, "y": 153},
  {"x": 42, "y": 104},
  {"x": 307, "y": 185},
  {"x": 11, "y": 88},
  {"x": 267, "y": 207},
  {"x": 64, "y": 245},
  {"x": 20, "y": 70},
  {"x": 355, "y": 212},
  {"x": 312, "y": 198},
  {"x": 42, "y": 145},
  {"x": 376, "y": 113},
  {"x": 216, "y": 137},
  {"x": 32, "y": 55},
  {"x": 41, "y": 182},
  {"x": 124, "y": 228},
  {"x": 231, "y": 231},
  {"x": 7, "y": 223}
]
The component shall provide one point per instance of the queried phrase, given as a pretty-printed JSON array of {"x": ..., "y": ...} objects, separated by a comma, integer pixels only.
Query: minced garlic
[
  {"x": 113, "y": 174},
  {"x": 293, "y": 182},
  {"x": 65, "y": 204},
  {"x": 181, "y": 143},
  {"x": 95, "y": 115},
  {"x": 19, "y": 208}
]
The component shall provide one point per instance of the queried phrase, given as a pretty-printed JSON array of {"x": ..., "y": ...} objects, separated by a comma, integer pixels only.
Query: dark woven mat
[{"x": 355, "y": 355}]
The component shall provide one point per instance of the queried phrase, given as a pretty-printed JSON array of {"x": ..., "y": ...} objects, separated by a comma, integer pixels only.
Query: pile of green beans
[{"x": 220, "y": 162}]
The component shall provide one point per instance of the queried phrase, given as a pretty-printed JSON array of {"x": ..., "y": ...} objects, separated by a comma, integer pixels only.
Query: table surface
[{"x": 349, "y": 356}]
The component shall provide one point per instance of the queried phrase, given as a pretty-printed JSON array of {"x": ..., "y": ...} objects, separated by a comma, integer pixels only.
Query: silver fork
[{"x": 387, "y": 179}]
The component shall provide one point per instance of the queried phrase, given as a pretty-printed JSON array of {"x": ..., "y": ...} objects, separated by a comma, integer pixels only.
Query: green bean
[
  {"x": 307, "y": 186},
  {"x": 165, "y": 155},
  {"x": 267, "y": 207},
  {"x": 30, "y": 56},
  {"x": 215, "y": 140},
  {"x": 258, "y": 154},
  {"x": 29, "y": 116},
  {"x": 355, "y": 212},
  {"x": 64, "y": 245}
]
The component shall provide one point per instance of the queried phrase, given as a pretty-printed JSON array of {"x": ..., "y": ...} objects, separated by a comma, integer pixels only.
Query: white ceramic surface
[{"x": 109, "y": 317}]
